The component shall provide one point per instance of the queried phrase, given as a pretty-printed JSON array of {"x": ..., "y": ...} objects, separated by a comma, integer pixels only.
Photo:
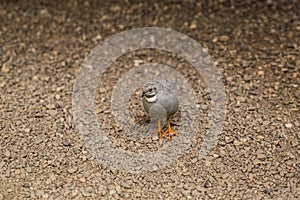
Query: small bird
[{"x": 160, "y": 101}]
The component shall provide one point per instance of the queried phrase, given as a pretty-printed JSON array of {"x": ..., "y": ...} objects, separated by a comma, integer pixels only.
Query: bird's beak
[{"x": 143, "y": 94}]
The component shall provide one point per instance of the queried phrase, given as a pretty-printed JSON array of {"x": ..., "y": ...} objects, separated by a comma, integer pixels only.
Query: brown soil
[{"x": 257, "y": 47}]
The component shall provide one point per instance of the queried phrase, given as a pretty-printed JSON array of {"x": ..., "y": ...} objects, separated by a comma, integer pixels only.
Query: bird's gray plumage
[{"x": 165, "y": 95}]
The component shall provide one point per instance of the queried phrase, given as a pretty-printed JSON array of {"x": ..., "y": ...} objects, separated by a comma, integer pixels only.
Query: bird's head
[{"x": 149, "y": 92}]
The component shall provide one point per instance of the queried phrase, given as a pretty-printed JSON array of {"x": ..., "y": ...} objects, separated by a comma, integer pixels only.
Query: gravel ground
[{"x": 256, "y": 46}]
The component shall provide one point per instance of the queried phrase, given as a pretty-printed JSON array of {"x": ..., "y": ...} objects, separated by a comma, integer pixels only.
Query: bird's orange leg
[
  {"x": 160, "y": 131},
  {"x": 169, "y": 130}
]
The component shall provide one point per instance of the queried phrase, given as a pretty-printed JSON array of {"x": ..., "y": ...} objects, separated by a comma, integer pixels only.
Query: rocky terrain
[{"x": 256, "y": 46}]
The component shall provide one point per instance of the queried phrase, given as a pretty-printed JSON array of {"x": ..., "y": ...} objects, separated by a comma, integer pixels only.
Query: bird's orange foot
[
  {"x": 161, "y": 133},
  {"x": 170, "y": 131}
]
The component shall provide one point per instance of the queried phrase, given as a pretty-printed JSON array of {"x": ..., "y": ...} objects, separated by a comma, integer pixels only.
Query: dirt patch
[{"x": 255, "y": 45}]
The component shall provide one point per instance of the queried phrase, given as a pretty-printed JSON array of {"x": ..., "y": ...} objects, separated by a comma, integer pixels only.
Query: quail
[{"x": 160, "y": 102}]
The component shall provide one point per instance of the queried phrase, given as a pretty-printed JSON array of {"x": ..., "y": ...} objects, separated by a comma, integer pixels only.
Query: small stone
[
  {"x": 57, "y": 96},
  {"x": 256, "y": 162},
  {"x": 194, "y": 160},
  {"x": 195, "y": 193},
  {"x": 52, "y": 177},
  {"x": 112, "y": 192},
  {"x": 186, "y": 193},
  {"x": 229, "y": 78},
  {"x": 207, "y": 184},
  {"x": 63, "y": 63},
  {"x": 27, "y": 130},
  {"x": 289, "y": 125},
  {"x": 45, "y": 13},
  {"x": 180, "y": 185},
  {"x": 102, "y": 190},
  {"x": 50, "y": 106},
  {"x": 72, "y": 169},
  {"x": 38, "y": 140},
  {"x": 261, "y": 156},
  {"x": 5, "y": 69},
  {"x": 45, "y": 196},
  {"x": 193, "y": 25},
  {"x": 216, "y": 155},
  {"x": 267, "y": 192},
  {"x": 228, "y": 139},
  {"x": 39, "y": 192},
  {"x": 58, "y": 89},
  {"x": 155, "y": 137},
  {"x": 26, "y": 185},
  {"x": 53, "y": 113},
  {"x": 2, "y": 163},
  {"x": 7, "y": 154},
  {"x": 204, "y": 107},
  {"x": 224, "y": 38},
  {"x": 97, "y": 38},
  {"x": 211, "y": 196},
  {"x": 297, "y": 63},
  {"x": 137, "y": 62},
  {"x": 66, "y": 143},
  {"x": 260, "y": 73},
  {"x": 82, "y": 180},
  {"x": 86, "y": 192},
  {"x": 125, "y": 185},
  {"x": 57, "y": 105}
]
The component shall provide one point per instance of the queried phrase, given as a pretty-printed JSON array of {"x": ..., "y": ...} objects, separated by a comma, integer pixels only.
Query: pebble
[
  {"x": 229, "y": 78},
  {"x": 52, "y": 113},
  {"x": 57, "y": 96},
  {"x": 39, "y": 192},
  {"x": 102, "y": 190},
  {"x": 72, "y": 169},
  {"x": 52, "y": 177},
  {"x": 196, "y": 193},
  {"x": 125, "y": 185},
  {"x": 26, "y": 185},
  {"x": 261, "y": 156},
  {"x": 7, "y": 154},
  {"x": 138, "y": 62},
  {"x": 155, "y": 137},
  {"x": 211, "y": 195},
  {"x": 261, "y": 73},
  {"x": 204, "y": 107},
  {"x": 82, "y": 180},
  {"x": 112, "y": 192},
  {"x": 289, "y": 125},
  {"x": 207, "y": 184},
  {"x": 67, "y": 143},
  {"x": 86, "y": 192},
  {"x": 5, "y": 69},
  {"x": 27, "y": 130},
  {"x": 223, "y": 38}
]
